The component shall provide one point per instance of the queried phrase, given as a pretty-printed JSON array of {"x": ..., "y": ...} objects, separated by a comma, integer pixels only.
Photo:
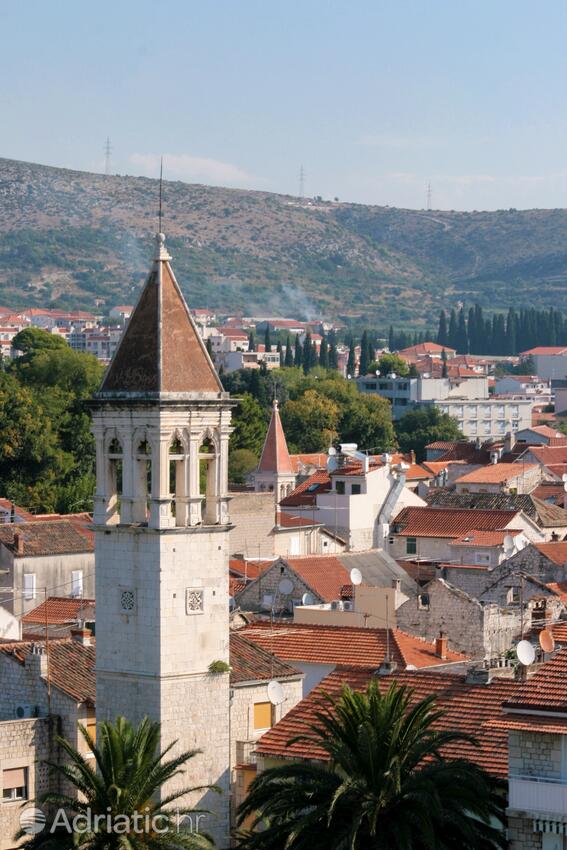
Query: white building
[
  {"x": 550, "y": 360},
  {"x": 489, "y": 418}
]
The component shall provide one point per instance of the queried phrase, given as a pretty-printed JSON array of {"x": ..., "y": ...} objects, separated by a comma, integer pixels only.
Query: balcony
[{"x": 538, "y": 795}]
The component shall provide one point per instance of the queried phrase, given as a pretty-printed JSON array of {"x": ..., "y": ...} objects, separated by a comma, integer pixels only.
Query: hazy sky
[{"x": 374, "y": 98}]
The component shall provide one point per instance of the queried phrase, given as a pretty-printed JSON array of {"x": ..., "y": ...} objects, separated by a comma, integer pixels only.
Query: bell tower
[{"x": 161, "y": 422}]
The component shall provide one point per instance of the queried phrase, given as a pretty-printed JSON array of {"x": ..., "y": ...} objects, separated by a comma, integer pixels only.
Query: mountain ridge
[{"x": 71, "y": 238}]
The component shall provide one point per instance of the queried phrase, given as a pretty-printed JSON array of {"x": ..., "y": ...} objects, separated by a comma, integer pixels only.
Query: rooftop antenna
[
  {"x": 301, "y": 181},
  {"x": 428, "y": 198},
  {"x": 107, "y": 152},
  {"x": 160, "y": 194}
]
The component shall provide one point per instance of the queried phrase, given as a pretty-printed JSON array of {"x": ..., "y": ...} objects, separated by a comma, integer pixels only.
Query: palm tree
[
  {"x": 130, "y": 771},
  {"x": 386, "y": 784}
]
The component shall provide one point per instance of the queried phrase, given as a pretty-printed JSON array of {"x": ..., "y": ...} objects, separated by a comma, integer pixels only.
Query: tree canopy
[{"x": 425, "y": 425}]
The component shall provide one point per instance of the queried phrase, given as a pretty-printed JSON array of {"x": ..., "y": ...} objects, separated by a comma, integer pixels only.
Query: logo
[{"x": 32, "y": 821}]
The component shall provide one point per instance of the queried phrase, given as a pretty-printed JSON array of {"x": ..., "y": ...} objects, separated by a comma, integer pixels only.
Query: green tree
[
  {"x": 364, "y": 360},
  {"x": 209, "y": 347},
  {"x": 298, "y": 359},
  {"x": 241, "y": 462},
  {"x": 128, "y": 773},
  {"x": 444, "y": 372},
  {"x": 308, "y": 353},
  {"x": 279, "y": 349},
  {"x": 393, "y": 363},
  {"x": 324, "y": 354},
  {"x": 310, "y": 422},
  {"x": 267, "y": 338},
  {"x": 32, "y": 339},
  {"x": 249, "y": 422},
  {"x": 351, "y": 363},
  {"x": 417, "y": 428},
  {"x": 251, "y": 341},
  {"x": 388, "y": 783},
  {"x": 442, "y": 333},
  {"x": 288, "y": 353},
  {"x": 333, "y": 354}
]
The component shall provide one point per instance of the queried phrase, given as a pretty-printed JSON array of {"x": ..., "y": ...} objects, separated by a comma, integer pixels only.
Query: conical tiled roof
[
  {"x": 161, "y": 350},
  {"x": 275, "y": 456}
]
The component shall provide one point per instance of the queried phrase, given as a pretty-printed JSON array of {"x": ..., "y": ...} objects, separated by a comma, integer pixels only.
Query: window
[
  {"x": 402, "y": 386},
  {"x": 355, "y": 490},
  {"x": 384, "y": 385},
  {"x": 370, "y": 386},
  {"x": 77, "y": 583},
  {"x": 15, "y": 784},
  {"x": 340, "y": 487},
  {"x": 411, "y": 545},
  {"x": 482, "y": 557},
  {"x": 29, "y": 586},
  {"x": 262, "y": 715}
]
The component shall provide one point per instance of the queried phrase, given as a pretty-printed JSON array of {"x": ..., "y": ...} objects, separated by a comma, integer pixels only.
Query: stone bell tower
[{"x": 162, "y": 423}]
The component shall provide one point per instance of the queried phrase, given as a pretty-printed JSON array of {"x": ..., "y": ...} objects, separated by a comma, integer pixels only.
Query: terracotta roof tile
[
  {"x": 275, "y": 456},
  {"x": 248, "y": 569},
  {"x": 161, "y": 350},
  {"x": 544, "y": 514},
  {"x": 71, "y": 665},
  {"x": 555, "y": 552},
  {"x": 468, "y": 708},
  {"x": 304, "y": 493},
  {"x": 545, "y": 350},
  {"x": 46, "y": 538},
  {"x": 250, "y": 662},
  {"x": 324, "y": 574},
  {"x": 485, "y": 538},
  {"x": 546, "y": 690},
  {"x": 496, "y": 473},
  {"x": 60, "y": 610},
  {"x": 346, "y": 645},
  {"x": 285, "y": 520},
  {"x": 447, "y": 523}
]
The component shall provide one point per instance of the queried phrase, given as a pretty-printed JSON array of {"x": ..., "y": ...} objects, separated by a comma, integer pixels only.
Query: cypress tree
[
  {"x": 333, "y": 355},
  {"x": 511, "y": 332},
  {"x": 363, "y": 368},
  {"x": 251, "y": 341},
  {"x": 267, "y": 338},
  {"x": 298, "y": 359},
  {"x": 444, "y": 372},
  {"x": 453, "y": 330},
  {"x": 351, "y": 363},
  {"x": 209, "y": 347},
  {"x": 288, "y": 352},
  {"x": 442, "y": 335},
  {"x": 307, "y": 353},
  {"x": 280, "y": 352},
  {"x": 391, "y": 340},
  {"x": 463, "y": 341},
  {"x": 324, "y": 354}
]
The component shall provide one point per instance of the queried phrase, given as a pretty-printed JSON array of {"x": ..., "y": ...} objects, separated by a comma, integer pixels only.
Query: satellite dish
[
  {"x": 508, "y": 543},
  {"x": 377, "y": 373},
  {"x": 275, "y": 693},
  {"x": 355, "y": 576},
  {"x": 546, "y": 640},
  {"x": 332, "y": 451},
  {"x": 525, "y": 653},
  {"x": 564, "y": 478},
  {"x": 307, "y": 599},
  {"x": 285, "y": 586}
]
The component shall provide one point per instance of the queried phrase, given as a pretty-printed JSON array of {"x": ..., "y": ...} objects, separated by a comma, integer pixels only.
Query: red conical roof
[
  {"x": 275, "y": 456},
  {"x": 161, "y": 350}
]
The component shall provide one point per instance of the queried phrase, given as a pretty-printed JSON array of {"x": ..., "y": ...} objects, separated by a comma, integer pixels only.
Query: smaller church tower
[{"x": 275, "y": 471}]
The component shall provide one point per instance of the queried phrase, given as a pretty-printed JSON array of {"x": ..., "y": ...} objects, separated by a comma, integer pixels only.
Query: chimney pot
[
  {"x": 82, "y": 636},
  {"x": 441, "y": 646},
  {"x": 18, "y": 543}
]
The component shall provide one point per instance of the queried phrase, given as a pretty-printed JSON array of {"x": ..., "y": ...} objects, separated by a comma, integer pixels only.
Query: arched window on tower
[
  {"x": 208, "y": 486},
  {"x": 178, "y": 480},
  {"x": 114, "y": 486},
  {"x": 142, "y": 481}
]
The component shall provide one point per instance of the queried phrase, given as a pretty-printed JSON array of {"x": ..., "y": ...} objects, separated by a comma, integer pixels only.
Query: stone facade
[{"x": 262, "y": 594}]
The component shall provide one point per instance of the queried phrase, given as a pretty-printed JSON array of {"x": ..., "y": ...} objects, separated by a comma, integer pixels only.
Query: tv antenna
[
  {"x": 107, "y": 153},
  {"x": 428, "y": 197},
  {"x": 301, "y": 181}
]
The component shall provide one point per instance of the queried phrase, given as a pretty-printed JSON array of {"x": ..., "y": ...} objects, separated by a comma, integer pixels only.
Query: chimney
[
  {"x": 18, "y": 543},
  {"x": 508, "y": 442},
  {"x": 36, "y": 660},
  {"x": 412, "y": 456},
  {"x": 397, "y": 584},
  {"x": 82, "y": 636},
  {"x": 386, "y": 668},
  {"x": 441, "y": 646}
]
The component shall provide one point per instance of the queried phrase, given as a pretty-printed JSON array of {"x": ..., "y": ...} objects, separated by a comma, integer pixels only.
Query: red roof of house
[
  {"x": 485, "y": 538},
  {"x": 426, "y": 348},
  {"x": 496, "y": 473},
  {"x": 547, "y": 455},
  {"x": 71, "y": 665},
  {"x": 545, "y": 350},
  {"x": 304, "y": 493},
  {"x": 60, "y": 610},
  {"x": 317, "y": 459},
  {"x": 288, "y": 521},
  {"x": 440, "y": 522},
  {"x": 250, "y": 663},
  {"x": 546, "y": 690},
  {"x": 275, "y": 456},
  {"x": 59, "y": 537},
  {"x": 555, "y": 552},
  {"x": 466, "y": 708},
  {"x": 354, "y": 646},
  {"x": 248, "y": 568},
  {"x": 324, "y": 574}
]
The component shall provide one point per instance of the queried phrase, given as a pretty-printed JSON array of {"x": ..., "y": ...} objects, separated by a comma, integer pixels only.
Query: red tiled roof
[
  {"x": 60, "y": 537},
  {"x": 560, "y": 588},
  {"x": 324, "y": 574},
  {"x": 467, "y": 708},
  {"x": 545, "y": 349},
  {"x": 60, "y": 610},
  {"x": 21, "y": 513},
  {"x": 235, "y": 585},
  {"x": 317, "y": 459},
  {"x": 530, "y": 723},
  {"x": 496, "y": 473},
  {"x": 555, "y": 552},
  {"x": 304, "y": 493},
  {"x": 71, "y": 665},
  {"x": 248, "y": 569},
  {"x": 484, "y": 538},
  {"x": 288, "y": 521},
  {"x": 448, "y": 523},
  {"x": 275, "y": 456},
  {"x": 426, "y": 348},
  {"x": 418, "y": 472},
  {"x": 250, "y": 663},
  {"x": 549, "y": 454},
  {"x": 546, "y": 690},
  {"x": 340, "y": 645}
]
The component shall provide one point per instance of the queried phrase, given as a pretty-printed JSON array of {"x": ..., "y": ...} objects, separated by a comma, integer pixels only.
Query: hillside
[{"x": 68, "y": 238}]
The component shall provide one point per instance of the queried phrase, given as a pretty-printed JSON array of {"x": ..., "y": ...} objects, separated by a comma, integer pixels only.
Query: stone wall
[
  {"x": 532, "y": 754},
  {"x": 24, "y": 744},
  {"x": 253, "y": 518},
  {"x": 262, "y": 593}
]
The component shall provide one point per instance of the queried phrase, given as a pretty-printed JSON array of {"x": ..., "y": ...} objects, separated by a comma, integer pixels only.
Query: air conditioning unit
[
  {"x": 24, "y": 710},
  {"x": 334, "y": 606},
  {"x": 348, "y": 605}
]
